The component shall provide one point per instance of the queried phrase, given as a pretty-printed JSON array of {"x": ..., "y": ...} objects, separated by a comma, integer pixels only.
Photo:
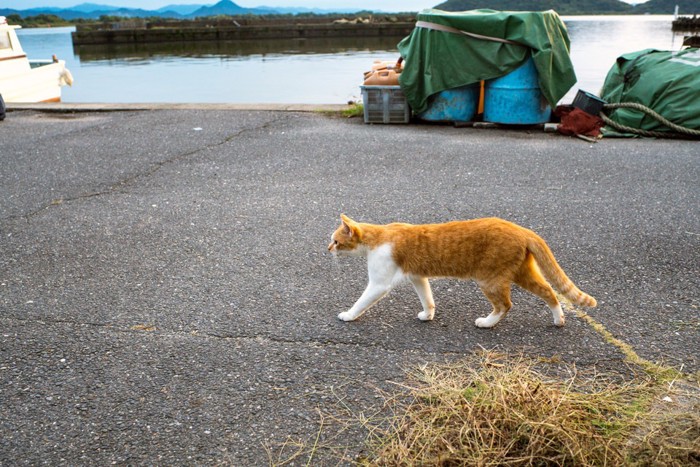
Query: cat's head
[{"x": 347, "y": 239}]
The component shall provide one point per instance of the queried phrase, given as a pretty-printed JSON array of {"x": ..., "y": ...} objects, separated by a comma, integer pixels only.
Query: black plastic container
[{"x": 588, "y": 102}]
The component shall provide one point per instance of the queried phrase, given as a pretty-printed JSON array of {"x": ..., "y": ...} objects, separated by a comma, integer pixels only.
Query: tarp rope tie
[
  {"x": 680, "y": 131},
  {"x": 443, "y": 28}
]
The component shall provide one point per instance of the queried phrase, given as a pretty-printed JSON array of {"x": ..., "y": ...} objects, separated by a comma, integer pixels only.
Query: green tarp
[
  {"x": 664, "y": 81},
  {"x": 437, "y": 60}
]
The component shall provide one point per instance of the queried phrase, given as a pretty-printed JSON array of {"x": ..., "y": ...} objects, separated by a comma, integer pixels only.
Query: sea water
[{"x": 324, "y": 71}]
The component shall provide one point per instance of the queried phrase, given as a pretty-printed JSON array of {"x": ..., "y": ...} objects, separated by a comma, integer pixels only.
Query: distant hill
[
  {"x": 563, "y": 7},
  {"x": 183, "y": 10},
  {"x": 227, "y": 7},
  {"x": 666, "y": 7},
  {"x": 223, "y": 7},
  {"x": 577, "y": 7},
  {"x": 73, "y": 14},
  {"x": 300, "y": 10},
  {"x": 90, "y": 7}
]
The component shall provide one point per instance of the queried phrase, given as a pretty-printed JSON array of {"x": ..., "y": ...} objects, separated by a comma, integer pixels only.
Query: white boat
[{"x": 23, "y": 80}]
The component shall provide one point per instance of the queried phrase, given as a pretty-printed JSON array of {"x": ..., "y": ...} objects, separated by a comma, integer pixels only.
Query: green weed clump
[{"x": 354, "y": 109}]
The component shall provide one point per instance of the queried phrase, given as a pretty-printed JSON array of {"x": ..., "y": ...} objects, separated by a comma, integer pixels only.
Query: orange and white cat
[{"x": 494, "y": 252}]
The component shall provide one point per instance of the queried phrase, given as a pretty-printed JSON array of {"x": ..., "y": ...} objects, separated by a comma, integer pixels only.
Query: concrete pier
[{"x": 166, "y": 297}]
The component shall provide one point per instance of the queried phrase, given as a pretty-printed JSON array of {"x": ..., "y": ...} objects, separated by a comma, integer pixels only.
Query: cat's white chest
[
  {"x": 383, "y": 274},
  {"x": 381, "y": 267}
]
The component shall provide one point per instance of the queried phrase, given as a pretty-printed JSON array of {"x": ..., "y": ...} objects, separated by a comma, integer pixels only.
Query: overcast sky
[{"x": 376, "y": 5}]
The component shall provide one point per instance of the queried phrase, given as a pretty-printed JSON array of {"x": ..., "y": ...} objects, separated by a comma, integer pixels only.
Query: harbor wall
[{"x": 239, "y": 32}]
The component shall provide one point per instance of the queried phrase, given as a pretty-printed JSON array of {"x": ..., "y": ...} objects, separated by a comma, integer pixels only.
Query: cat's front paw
[
  {"x": 485, "y": 322},
  {"x": 481, "y": 323},
  {"x": 426, "y": 316},
  {"x": 490, "y": 321},
  {"x": 346, "y": 316}
]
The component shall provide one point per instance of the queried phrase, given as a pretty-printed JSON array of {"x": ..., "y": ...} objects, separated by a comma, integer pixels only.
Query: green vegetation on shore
[
  {"x": 39, "y": 21},
  {"x": 47, "y": 20}
]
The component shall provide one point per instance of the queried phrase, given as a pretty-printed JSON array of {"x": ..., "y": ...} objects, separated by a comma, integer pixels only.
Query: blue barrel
[
  {"x": 516, "y": 98},
  {"x": 453, "y": 105}
]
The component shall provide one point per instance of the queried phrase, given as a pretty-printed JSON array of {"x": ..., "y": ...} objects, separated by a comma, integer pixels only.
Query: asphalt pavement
[{"x": 166, "y": 296}]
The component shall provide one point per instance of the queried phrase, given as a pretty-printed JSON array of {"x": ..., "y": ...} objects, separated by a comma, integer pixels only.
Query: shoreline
[{"x": 116, "y": 107}]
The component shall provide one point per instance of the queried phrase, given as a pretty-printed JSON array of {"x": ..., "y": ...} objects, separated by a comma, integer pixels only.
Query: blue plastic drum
[
  {"x": 453, "y": 105},
  {"x": 515, "y": 98}
]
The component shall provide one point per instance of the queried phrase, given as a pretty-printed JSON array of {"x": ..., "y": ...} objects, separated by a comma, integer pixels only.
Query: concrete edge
[{"x": 111, "y": 107}]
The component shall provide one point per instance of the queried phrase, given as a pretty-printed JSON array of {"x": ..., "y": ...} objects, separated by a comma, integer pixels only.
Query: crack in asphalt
[
  {"x": 155, "y": 167},
  {"x": 154, "y": 331}
]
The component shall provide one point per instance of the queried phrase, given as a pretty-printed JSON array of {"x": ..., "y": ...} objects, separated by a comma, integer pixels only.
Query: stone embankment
[{"x": 241, "y": 29}]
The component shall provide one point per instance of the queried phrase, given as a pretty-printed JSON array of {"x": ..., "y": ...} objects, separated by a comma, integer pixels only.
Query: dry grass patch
[
  {"x": 671, "y": 434},
  {"x": 498, "y": 410},
  {"x": 494, "y": 409}
]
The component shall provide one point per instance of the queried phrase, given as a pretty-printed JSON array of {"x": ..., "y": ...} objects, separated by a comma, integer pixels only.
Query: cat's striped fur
[{"x": 494, "y": 252}]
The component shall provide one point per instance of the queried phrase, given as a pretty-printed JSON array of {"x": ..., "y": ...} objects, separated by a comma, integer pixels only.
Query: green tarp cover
[
  {"x": 438, "y": 60},
  {"x": 666, "y": 82}
]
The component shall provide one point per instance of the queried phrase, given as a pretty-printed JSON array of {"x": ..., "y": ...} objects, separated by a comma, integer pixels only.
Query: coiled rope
[{"x": 678, "y": 131}]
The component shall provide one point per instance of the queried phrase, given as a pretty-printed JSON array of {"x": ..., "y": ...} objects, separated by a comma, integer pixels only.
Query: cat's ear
[{"x": 349, "y": 226}]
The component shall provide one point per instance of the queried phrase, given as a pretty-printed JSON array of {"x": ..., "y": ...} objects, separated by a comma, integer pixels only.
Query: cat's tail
[{"x": 555, "y": 274}]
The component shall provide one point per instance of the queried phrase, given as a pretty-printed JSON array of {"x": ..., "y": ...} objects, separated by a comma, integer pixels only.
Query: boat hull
[
  {"x": 38, "y": 84},
  {"x": 28, "y": 81}
]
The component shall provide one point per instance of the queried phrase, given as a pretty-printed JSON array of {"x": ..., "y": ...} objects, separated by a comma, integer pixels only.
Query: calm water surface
[{"x": 305, "y": 71}]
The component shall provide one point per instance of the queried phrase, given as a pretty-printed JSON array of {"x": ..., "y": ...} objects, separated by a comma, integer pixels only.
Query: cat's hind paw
[
  {"x": 559, "y": 320},
  {"x": 558, "y": 315},
  {"x": 346, "y": 316}
]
